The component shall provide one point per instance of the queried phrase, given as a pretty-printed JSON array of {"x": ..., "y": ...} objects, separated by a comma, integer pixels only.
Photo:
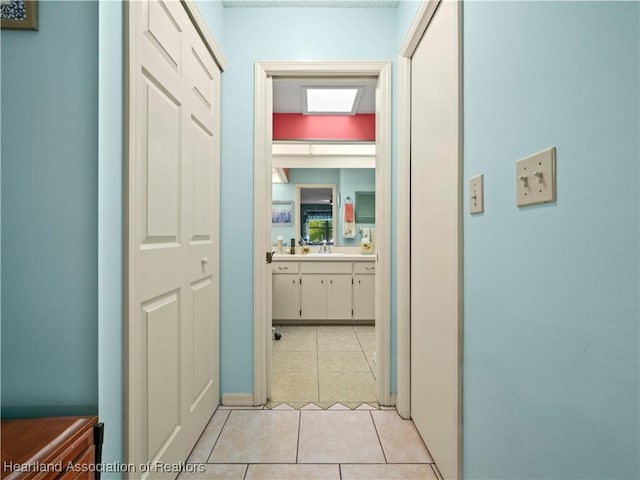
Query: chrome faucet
[{"x": 324, "y": 248}]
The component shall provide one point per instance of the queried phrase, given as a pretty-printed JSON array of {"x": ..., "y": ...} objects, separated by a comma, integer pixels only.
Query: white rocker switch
[
  {"x": 536, "y": 178},
  {"x": 476, "y": 194}
]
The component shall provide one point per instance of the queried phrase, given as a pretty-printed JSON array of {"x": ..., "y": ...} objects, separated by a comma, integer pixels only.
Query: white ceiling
[
  {"x": 311, "y": 3},
  {"x": 288, "y": 96},
  {"x": 315, "y": 195}
]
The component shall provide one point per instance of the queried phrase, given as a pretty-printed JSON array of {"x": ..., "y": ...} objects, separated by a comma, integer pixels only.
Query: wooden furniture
[{"x": 50, "y": 448}]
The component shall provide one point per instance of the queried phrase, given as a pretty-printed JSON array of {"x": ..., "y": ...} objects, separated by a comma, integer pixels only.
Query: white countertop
[{"x": 323, "y": 257}]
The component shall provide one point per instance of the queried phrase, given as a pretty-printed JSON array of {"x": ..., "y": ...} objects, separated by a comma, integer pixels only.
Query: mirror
[{"x": 308, "y": 189}]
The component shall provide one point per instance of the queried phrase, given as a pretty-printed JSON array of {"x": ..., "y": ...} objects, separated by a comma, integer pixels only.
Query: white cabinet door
[
  {"x": 339, "y": 305},
  {"x": 286, "y": 297},
  {"x": 364, "y": 300},
  {"x": 313, "y": 297}
]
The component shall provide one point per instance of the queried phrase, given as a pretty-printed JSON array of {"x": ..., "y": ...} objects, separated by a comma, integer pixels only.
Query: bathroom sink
[{"x": 316, "y": 254}]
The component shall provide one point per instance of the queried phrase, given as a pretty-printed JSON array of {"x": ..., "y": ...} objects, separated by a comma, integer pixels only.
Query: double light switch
[{"x": 536, "y": 178}]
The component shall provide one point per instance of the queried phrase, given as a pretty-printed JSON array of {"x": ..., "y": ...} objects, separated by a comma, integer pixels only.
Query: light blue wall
[
  {"x": 49, "y": 213},
  {"x": 354, "y": 180},
  {"x": 551, "y": 292},
  {"x": 347, "y": 181},
  {"x": 213, "y": 13},
  {"x": 270, "y": 34}
]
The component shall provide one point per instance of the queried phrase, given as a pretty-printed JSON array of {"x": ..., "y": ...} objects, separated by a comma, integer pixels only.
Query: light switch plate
[
  {"x": 476, "y": 194},
  {"x": 536, "y": 178}
]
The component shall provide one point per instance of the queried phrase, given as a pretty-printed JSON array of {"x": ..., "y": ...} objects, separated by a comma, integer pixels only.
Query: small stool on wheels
[{"x": 276, "y": 334}]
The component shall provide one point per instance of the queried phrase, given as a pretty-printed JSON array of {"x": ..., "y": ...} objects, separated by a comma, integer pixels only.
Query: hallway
[{"x": 283, "y": 443}]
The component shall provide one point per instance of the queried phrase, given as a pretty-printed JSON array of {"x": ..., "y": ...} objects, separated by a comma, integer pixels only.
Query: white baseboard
[{"x": 237, "y": 399}]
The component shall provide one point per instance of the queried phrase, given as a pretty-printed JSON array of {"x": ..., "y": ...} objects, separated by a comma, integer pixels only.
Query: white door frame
[
  {"x": 264, "y": 72},
  {"x": 403, "y": 206},
  {"x": 417, "y": 29}
]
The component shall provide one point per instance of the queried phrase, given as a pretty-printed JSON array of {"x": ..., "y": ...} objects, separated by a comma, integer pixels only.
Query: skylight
[{"x": 331, "y": 100}]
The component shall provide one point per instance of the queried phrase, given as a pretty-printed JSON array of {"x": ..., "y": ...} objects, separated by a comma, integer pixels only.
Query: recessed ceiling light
[{"x": 331, "y": 100}]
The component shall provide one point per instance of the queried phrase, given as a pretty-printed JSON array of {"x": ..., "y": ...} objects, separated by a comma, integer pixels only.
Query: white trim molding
[
  {"x": 423, "y": 16},
  {"x": 422, "y": 19},
  {"x": 264, "y": 72},
  {"x": 203, "y": 30},
  {"x": 261, "y": 180},
  {"x": 237, "y": 399},
  {"x": 403, "y": 239}
]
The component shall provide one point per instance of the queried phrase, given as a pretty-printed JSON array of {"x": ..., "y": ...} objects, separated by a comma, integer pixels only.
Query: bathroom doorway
[{"x": 372, "y": 339}]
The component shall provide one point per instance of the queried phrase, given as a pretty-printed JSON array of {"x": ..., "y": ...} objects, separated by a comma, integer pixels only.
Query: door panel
[
  {"x": 436, "y": 239},
  {"x": 164, "y": 31},
  {"x": 203, "y": 182},
  {"x": 162, "y": 166},
  {"x": 162, "y": 318},
  {"x": 313, "y": 297},
  {"x": 285, "y": 305},
  {"x": 364, "y": 297},
  {"x": 173, "y": 251},
  {"x": 339, "y": 305}
]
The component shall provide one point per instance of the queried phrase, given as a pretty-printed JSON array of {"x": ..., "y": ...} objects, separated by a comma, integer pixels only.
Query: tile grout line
[
  {"x": 298, "y": 439},
  {"x": 386, "y": 461},
  {"x": 224, "y": 424},
  {"x": 317, "y": 366},
  {"x": 364, "y": 353}
]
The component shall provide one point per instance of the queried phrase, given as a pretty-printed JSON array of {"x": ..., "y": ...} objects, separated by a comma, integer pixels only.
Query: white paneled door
[
  {"x": 173, "y": 184},
  {"x": 436, "y": 234}
]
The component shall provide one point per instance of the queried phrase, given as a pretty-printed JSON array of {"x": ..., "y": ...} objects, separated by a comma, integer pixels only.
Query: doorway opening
[{"x": 317, "y": 294}]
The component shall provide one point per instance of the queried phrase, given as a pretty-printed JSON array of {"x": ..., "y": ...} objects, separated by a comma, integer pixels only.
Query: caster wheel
[{"x": 277, "y": 335}]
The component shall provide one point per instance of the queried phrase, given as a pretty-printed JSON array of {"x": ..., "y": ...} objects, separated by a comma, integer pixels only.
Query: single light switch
[
  {"x": 536, "y": 178},
  {"x": 476, "y": 194}
]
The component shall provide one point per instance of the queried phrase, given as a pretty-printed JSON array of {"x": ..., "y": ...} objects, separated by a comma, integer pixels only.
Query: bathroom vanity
[{"x": 323, "y": 289}]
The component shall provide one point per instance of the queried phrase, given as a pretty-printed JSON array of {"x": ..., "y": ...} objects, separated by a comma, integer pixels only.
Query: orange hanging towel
[{"x": 348, "y": 212}]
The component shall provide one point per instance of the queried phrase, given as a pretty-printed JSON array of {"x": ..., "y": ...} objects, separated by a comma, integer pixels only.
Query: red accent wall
[{"x": 295, "y": 126}]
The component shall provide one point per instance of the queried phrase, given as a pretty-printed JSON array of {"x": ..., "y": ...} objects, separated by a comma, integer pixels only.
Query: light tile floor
[
  {"x": 309, "y": 444},
  {"x": 324, "y": 365}
]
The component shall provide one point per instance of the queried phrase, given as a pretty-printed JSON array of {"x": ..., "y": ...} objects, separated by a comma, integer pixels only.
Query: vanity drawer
[
  {"x": 364, "y": 267},
  {"x": 325, "y": 267},
  {"x": 285, "y": 267}
]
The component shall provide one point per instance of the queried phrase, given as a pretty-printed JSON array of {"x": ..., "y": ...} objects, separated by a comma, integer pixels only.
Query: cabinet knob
[{"x": 204, "y": 261}]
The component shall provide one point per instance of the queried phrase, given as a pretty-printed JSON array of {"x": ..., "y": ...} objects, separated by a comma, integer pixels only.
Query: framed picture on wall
[
  {"x": 282, "y": 212},
  {"x": 19, "y": 14}
]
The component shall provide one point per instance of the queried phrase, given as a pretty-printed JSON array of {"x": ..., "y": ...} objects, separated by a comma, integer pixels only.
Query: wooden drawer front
[
  {"x": 49, "y": 444},
  {"x": 364, "y": 267},
  {"x": 285, "y": 267},
  {"x": 82, "y": 469},
  {"x": 326, "y": 267}
]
